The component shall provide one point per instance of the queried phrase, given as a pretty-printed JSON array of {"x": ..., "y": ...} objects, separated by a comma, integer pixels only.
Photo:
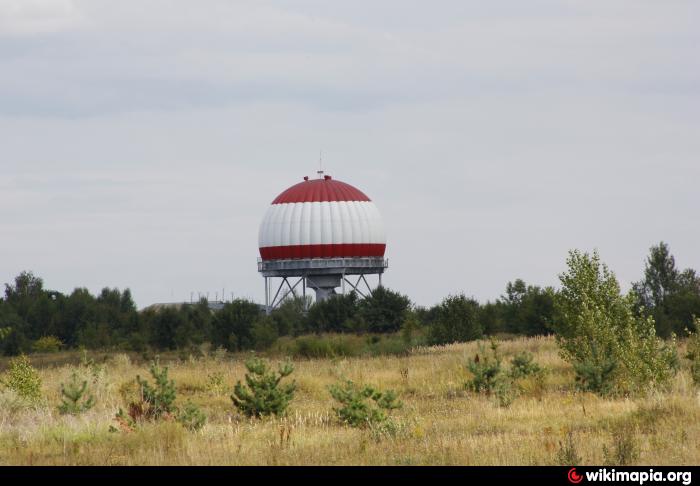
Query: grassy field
[{"x": 440, "y": 422}]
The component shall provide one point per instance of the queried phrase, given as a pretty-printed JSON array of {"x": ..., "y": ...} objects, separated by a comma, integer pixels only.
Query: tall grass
[{"x": 440, "y": 423}]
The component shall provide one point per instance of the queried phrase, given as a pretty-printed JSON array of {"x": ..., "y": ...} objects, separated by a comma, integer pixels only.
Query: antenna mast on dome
[{"x": 320, "y": 164}]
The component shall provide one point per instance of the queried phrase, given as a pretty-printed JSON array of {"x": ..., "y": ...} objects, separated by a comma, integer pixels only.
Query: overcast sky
[{"x": 142, "y": 141}]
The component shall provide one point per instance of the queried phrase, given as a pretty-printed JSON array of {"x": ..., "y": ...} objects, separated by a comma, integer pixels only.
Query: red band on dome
[
  {"x": 320, "y": 190},
  {"x": 342, "y": 250}
]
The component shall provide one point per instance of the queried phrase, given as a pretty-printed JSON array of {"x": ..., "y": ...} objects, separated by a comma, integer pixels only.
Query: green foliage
[
  {"x": 264, "y": 333},
  {"x": 505, "y": 392},
  {"x": 693, "y": 353},
  {"x": 264, "y": 394},
  {"x": 527, "y": 309},
  {"x": 345, "y": 345},
  {"x": 232, "y": 325},
  {"x": 333, "y": 314},
  {"x": 319, "y": 347},
  {"x": 456, "y": 320},
  {"x": 596, "y": 324},
  {"x": 75, "y": 396},
  {"x": 523, "y": 365},
  {"x": 409, "y": 328},
  {"x": 156, "y": 401},
  {"x": 290, "y": 317},
  {"x": 669, "y": 295},
  {"x": 5, "y": 332},
  {"x": 47, "y": 344},
  {"x": 159, "y": 397},
  {"x": 486, "y": 370},
  {"x": 215, "y": 383},
  {"x": 595, "y": 374},
  {"x": 489, "y": 377},
  {"x": 363, "y": 406},
  {"x": 191, "y": 417},
  {"x": 23, "y": 379},
  {"x": 384, "y": 310}
]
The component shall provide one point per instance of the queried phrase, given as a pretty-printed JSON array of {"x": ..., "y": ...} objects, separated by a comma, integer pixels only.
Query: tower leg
[{"x": 305, "y": 306}]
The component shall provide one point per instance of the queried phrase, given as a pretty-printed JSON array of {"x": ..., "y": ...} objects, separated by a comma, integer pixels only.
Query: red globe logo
[{"x": 574, "y": 477}]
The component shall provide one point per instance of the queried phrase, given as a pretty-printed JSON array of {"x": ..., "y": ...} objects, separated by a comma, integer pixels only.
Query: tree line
[{"x": 33, "y": 318}]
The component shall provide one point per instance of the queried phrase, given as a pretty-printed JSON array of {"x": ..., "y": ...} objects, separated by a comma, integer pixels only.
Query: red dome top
[
  {"x": 321, "y": 218},
  {"x": 320, "y": 190}
]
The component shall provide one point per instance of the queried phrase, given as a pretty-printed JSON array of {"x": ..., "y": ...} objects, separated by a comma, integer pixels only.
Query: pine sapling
[
  {"x": 158, "y": 398},
  {"x": 75, "y": 397},
  {"x": 363, "y": 406},
  {"x": 264, "y": 394},
  {"x": 191, "y": 417}
]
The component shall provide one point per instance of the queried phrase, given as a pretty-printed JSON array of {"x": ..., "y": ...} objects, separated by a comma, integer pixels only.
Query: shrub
[
  {"x": 191, "y": 417},
  {"x": 624, "y": 451},
  {"x": 486, "y": 370},
  {"x": 595, "y": 374},
  {"x": 693, "y": 353},
  {"x": 523, "y": 365},
  {"x": 215, "y": 383},
  {"x": 47, "y": 344},
  {"x": 505, "y": 392},
  {"x": 568, "y": 453},
  {"x": 75, "y": 397},
  {"x": 456, "y": 320},
  {"x": 595, "y": 324},
  {"x": 158, "y": 398},
  {"x": 23, "y": 379},
  {"x": 489, "y": 377},
  {"x": 264, "y": 394},
  {"x": 363, "y": 406},
  {"x": 152, "y": 402},
  {"x": 264, "y": 333},
  {"x": 155, "y": 401},
  {"x": 5, "y": 332},
  {"x": 383, "y": 310}
]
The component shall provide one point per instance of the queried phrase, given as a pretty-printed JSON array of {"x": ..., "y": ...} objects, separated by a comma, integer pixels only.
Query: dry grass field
[{"x": 440, "y": 422}]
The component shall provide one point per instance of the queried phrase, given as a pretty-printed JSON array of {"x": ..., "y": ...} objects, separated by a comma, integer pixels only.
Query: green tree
[
  {"x": 595, "y": 324},
  {"x": 233, "y": 325},
  {"x": 457, "y": 320},
  {"x": 159, "y": 397},
  {"x": 384, "y": 310},
  {"x": 363, "y": 406},
  {"x": 671, "y": 296},
  {"x": 22, "y": 378},
  {"x": 527, "y": 309},
  {"x": 75, "y": 397},
  {"x": 264, "y": 393},
  {"x": 332, "y": 314},
  {"x": 290, "y": 317},
  {"x": 264, "y": 333}
]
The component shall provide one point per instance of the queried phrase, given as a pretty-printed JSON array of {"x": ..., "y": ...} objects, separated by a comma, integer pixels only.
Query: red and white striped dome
[{"x": 321, "y": 218}]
